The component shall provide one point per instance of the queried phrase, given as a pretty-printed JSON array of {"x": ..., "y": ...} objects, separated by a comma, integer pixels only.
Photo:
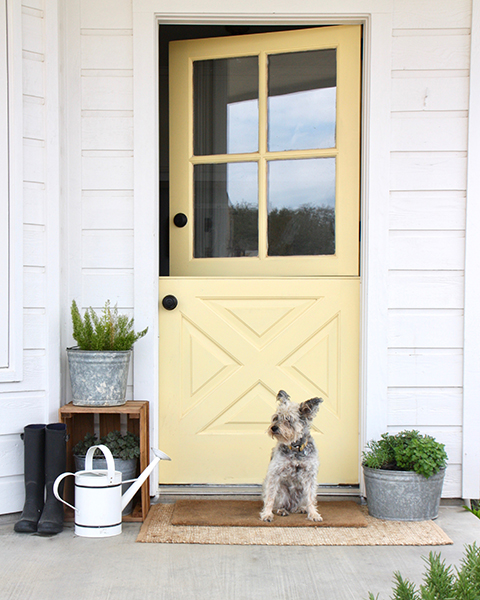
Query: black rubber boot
[
  {"x": 51, "y": 520},
  {"x": 34, "y": 446}
]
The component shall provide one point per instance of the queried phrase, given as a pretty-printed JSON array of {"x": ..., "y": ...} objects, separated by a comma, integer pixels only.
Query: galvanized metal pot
[
  {"x": 402, "y": 495},
  {"x": 98, "y": 378}
]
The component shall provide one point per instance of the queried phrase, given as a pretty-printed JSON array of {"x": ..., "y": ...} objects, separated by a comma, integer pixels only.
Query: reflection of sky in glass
[
  {"x": 242, "y": 126},
  {"x": 242, "y": 184},
  {"x": 293, "y": 183},
  {"x": 302, "y": 120}
]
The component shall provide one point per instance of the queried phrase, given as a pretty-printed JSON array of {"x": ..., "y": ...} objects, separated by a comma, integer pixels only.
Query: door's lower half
[{"x": 226, "y": 350}]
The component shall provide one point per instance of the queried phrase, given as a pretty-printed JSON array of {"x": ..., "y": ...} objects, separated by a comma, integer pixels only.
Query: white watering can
[{"x": 98, "y": 494}]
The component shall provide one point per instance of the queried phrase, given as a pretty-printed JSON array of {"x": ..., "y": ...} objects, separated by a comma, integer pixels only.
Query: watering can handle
[
  {"x": 108, "y": 456},
  {"x": 58, "y": 480}
]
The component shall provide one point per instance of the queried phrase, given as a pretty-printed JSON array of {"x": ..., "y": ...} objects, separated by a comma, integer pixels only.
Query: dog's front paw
[
  {"x": 283, "y": 512},
  {"x": 266, "y": 516},
  {"x": 317, "y": 517}
]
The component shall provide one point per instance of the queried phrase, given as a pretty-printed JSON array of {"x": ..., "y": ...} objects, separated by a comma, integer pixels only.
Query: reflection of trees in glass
[
  {"x": 243, "y": 229},
  {"x": 307, "y": 230}
]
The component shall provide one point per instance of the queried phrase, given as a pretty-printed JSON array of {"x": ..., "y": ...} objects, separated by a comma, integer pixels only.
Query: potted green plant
[
  {"x": 99, "y": 364},
  {"x": 404, "y": 475},
  {"x": 125, "y": 450}
]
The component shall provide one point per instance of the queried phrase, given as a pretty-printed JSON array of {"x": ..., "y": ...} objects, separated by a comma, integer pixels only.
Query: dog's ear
[
  {"x": 283, "y": 397},
  {"x": 309, "y": 408}
]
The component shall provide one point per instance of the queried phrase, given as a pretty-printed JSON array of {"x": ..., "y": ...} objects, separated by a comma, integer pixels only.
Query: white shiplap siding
[
  {"x": 430, "y": 63},
  {"x": 104, "y": 117}
]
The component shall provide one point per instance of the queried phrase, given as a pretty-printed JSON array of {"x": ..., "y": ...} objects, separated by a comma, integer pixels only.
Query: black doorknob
[
  {"x": 180, "y": 220},
  {"x": 169, "y": 302}
]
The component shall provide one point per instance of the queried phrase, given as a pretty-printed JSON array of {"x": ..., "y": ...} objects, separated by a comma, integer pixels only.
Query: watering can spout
[{"x": 136, "y": 485}]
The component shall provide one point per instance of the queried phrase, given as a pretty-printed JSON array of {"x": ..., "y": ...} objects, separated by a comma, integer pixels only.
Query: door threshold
[{"x": 247, "y": 490}]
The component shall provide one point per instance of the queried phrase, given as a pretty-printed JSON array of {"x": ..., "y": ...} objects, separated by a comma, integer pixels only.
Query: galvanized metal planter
[
  {"x": 402, "y": 495},
  {"x": 98, "y": 378}
]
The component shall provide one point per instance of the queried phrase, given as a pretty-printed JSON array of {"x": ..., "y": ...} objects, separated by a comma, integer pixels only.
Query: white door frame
[{"x": 376, "y": 17}]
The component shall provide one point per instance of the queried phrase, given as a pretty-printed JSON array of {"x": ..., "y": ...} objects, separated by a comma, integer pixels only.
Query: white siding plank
[
  {"x": 107, "y": 133},
  {"x": 425, "y": 368},
  {"x": 107, "y": 52},
  {"x": 427, "y": 210},
  {"x": 35, "y": 4},
  {"x": 33, "y": 119},
  {"x": 107, "y": 172},
  {"x": 426, "y": 14},
  {"x": 112, "y": 210},
  {"x": 422, "y": 132},
  {"x": 428, "y": 171},
  {"x": 34, "y": 248},
  {"x": 412, "y": 408},
  {"x": 34, "y": 292},
  {"x": 430, "y": 52},
  {"x": 107, "y": 93},
  {"x": 427, "y": 250},
  {"x": 107, "y": 249},
  {"x": 35, "y": 329},
  {"x": 452, "y": 485},
  {"x": 99, "y": 286},
  {"x": 11, "y": 455},
  {"x": 34, "y": 161},
  {"x": 12, "y": 494},
  {"x": 107, "y": 14},
  {"x": 425, "y": 290},
  {"x": 430, "y": 93},
  {"x": 34, "y": 204},
  {"x": 20, "y": 409},
  {"x": 33, "y": 34},
  {"x": 33, "y": 72},
  {"x": 425, "y": 329}
]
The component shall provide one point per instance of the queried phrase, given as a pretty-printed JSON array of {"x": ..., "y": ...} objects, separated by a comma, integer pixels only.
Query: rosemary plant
[{"x": 109, "y": 331}]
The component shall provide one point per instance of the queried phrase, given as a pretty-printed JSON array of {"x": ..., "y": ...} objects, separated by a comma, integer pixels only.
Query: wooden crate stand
[{"x": 80, "y": 421}]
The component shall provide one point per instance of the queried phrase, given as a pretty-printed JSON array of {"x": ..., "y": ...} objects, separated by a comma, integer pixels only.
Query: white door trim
[
  {"x": 376, "y": 16},
  {"x": 11, "y": 157},
  {"x": 471, "y": 349}
]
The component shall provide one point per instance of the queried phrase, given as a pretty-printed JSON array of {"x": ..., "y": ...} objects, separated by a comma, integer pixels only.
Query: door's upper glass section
[
  {"x": 265, "y": 153},
  {"x": 302, "y": 100},
  {"x": 225, "y": 106}
]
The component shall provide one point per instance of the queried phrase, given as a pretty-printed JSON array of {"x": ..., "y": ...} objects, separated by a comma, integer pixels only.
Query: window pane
[
  {"x": 301, "y": 207},
  {"x": 225, "y": 106},
  {"x": 301, "y": 100},
  {"x": 226, "y": 210}
]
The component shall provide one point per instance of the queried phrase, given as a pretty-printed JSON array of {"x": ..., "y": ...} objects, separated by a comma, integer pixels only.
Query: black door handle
[
  {"x": 169, "y": 302},
  {"x": 180, "y": 220}
]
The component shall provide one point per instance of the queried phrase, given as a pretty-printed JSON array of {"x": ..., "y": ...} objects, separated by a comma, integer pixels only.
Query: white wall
[
  {"x": 429, "y": 121},
  {"x": 89, "y": 246},
  {"x": 99, "y": 118}
]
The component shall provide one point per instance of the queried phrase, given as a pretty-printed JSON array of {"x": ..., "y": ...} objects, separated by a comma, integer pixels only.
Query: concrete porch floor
[{"x": 65, "y": 567}]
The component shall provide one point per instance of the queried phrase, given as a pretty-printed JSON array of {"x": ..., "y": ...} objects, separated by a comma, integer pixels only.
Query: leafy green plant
[
  {"x": 109, "y": 331},
  {"x": 121, "y": 446},
  {"x": 442, "y": 581},
  {"x": 474, "y": 509},
  {"x": 406, "y": 451}
]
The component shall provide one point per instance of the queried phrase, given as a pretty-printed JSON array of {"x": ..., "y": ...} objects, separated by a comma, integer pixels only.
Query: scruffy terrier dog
[{"x": 291, "y": 481}]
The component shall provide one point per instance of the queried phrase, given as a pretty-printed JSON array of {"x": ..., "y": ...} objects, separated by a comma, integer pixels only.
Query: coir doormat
[
  {"x": 158, "y": 528},
  {"x": 245, "y": 513}
]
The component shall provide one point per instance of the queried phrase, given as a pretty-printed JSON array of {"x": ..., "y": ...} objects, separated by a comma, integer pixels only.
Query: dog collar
[{"x": 298, "y": 448}]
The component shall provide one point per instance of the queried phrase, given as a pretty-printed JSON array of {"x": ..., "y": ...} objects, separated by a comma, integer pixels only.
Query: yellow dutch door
[{"x": 264, "y": 251}]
